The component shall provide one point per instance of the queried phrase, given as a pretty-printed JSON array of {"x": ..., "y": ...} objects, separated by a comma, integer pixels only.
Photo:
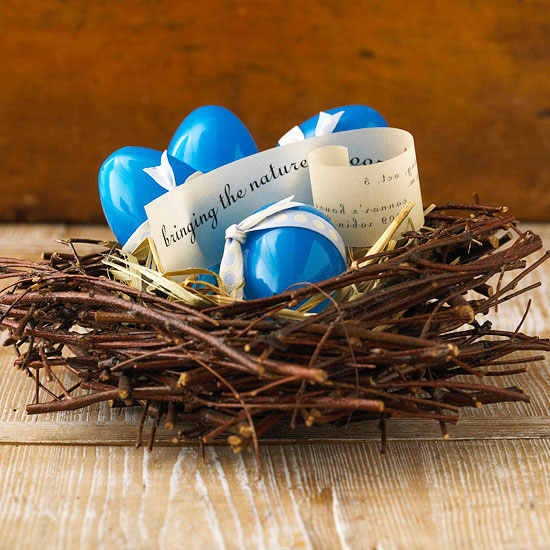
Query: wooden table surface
[{"x": 74, "y": 480}]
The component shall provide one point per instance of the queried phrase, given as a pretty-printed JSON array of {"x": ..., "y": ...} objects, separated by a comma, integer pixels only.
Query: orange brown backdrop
[{"x": 80, "y": 79}]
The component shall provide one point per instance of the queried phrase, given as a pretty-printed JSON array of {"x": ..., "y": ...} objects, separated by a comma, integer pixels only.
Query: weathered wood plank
[
  {"x": 468, "y": 79},
  {"x": 460, "y": 495},
  {"x": 121, "y": 430}
]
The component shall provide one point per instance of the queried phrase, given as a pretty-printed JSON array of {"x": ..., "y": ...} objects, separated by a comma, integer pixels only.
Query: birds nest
[{"x": 403, "y": 334}]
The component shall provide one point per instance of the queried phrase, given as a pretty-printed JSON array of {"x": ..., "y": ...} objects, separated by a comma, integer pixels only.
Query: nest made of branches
[{"x": 401, "y": 324}]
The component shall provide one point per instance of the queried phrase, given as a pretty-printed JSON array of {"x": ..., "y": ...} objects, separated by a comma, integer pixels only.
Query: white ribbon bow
[
  {"x": 163, "y": 174},
  {"x": 232, "y": 265},
  {"x": 326, "y": 123}
]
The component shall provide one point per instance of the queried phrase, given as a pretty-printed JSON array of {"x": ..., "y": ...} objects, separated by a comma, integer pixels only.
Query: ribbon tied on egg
[{"x": 283, "y": 213}]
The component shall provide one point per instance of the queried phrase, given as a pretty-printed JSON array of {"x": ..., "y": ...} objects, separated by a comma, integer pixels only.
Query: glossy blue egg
[
  {"x": 355, "y": 117},
  {"x": 125, "y": 189},
  {"x": 275, "y": 259},
  {"x": 211, "y": 137}
]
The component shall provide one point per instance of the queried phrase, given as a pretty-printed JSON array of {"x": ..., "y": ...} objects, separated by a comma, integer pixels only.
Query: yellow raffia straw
[
  {"x": 127, "y": 270},
  {"x": 387, "y": 236},
  {"x": 379, "y": 246}
]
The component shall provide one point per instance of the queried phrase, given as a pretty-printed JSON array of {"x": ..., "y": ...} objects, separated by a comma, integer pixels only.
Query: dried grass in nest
[{"x": 403, "y": 322}]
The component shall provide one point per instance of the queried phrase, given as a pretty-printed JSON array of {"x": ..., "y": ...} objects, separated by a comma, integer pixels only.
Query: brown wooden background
[{"x": 470, "y": 80}]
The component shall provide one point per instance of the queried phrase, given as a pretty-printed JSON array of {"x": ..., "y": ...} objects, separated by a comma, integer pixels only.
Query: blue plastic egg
[
  {"x": 125, "y": 189},
  {"x": 211, "y": 137},
  {"x": 355, "y": 117},
  {"x": 276, "y": 258}
]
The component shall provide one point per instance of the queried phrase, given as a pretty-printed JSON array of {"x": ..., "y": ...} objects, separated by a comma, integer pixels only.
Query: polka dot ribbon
[{"x": 276, "y": 215}]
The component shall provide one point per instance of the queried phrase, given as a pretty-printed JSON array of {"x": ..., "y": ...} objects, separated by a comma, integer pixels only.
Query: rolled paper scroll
[
  {"x": 362, "y": 201},
  {"x": 188, "y": 224}
]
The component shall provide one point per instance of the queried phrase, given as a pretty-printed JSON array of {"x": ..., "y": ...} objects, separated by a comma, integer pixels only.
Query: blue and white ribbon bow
[
  {"x": 276, "y": 215},
  {"x": 326, "y": 123}
]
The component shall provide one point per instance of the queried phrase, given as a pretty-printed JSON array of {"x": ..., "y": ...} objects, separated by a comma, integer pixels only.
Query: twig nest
[{"x": 392, "y": 348}]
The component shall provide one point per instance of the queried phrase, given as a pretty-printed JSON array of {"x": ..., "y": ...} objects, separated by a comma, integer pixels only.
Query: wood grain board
[
  {"x": 81, "y": 79},
  {"x": 474, "y": 494},
  {"x": 73, "y": 479}
]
